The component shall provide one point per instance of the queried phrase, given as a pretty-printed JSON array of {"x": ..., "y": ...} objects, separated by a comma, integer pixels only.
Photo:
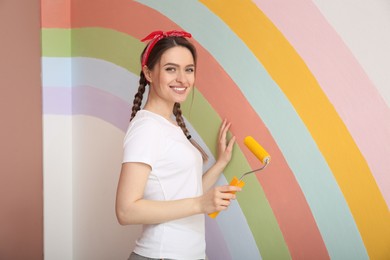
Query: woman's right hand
[{"x": 217, "y": 198}]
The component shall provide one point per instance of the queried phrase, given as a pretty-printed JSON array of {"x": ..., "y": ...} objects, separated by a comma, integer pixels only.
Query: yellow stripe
[{"x": 329, "y": 132}]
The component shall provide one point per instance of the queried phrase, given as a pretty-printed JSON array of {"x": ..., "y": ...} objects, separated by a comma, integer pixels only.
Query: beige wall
[{"x": 21, "y": 197}]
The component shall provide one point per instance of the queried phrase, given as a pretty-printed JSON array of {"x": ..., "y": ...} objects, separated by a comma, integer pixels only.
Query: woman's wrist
[
  {"x": 220, "y": 165},
  {"x": 197, "y": 205}
]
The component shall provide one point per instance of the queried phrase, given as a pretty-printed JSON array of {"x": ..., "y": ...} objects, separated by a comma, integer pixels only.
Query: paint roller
[{"x": 260, "y": 153}]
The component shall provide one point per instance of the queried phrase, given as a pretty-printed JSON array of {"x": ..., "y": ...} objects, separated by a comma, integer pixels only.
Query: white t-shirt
[{"x": 176, "y": 174}]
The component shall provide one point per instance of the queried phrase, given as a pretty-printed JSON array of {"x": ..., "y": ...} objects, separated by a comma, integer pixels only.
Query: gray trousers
[{"x": 134, "y": 256}]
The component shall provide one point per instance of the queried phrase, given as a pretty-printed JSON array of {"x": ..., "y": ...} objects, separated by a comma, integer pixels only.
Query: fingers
[
  {"x": 228, "y": 188},
  {"x": 231, "y": 143},
  {"x": 223, "y": 130},
  {"x": 218, "y": 198},
  {"x": 223, "y": 196},
  {"x": 227, "y": 192},
  {"x": 223, "y": 205},
  {"x": 225, "y": 126}
]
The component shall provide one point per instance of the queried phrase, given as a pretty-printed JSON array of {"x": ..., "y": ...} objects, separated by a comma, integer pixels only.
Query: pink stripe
[{"x": 342, "y": 79}]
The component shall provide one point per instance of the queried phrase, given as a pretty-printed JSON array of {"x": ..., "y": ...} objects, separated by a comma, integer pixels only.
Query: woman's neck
[{"x": 161, "y": 109}]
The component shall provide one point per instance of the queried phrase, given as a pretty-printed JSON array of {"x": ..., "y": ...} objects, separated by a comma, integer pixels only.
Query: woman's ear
[{"x": 147, "y": 73}]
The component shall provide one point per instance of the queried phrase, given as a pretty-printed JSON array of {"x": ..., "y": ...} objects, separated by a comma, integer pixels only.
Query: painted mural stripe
[
  {"x": 332, "y": 138},
  {"x": 56, "y": 13},
  {"x": 236, "y": 241},
  {"x": 98, "y": 73},
  {"x": 364, "y": 32},
  {"x": 336, "y": 211},
  {"x": 57, "y": 71},
  {"x": 250, "y": 200},
  {"x": 57, "y": 101},
  {"x": 334, "y": 74},
  {"x": 216, "y": 245},
  {"x": 57, "y": 45},
  {"x": 117, "y": 114},
  {"x": 52, "y": 47},
  {"x": 99, "y": 104}
]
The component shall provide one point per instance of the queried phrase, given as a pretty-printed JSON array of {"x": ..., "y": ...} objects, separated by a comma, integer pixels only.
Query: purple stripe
[
  {"x": 85, "y": 100},
  {"x": 57, "y": 100},
  {"x": 216, "y": 245},
  {"x": 95, "y": 102}
]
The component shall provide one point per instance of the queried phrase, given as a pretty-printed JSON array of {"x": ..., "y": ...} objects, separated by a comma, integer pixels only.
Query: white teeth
[{"x": 179, "y": 89}]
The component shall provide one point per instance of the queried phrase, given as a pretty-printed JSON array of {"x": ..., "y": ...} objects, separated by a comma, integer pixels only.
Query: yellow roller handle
[
  {"x": 235, "y": 182},
  {"x": 257, "y": 149}
]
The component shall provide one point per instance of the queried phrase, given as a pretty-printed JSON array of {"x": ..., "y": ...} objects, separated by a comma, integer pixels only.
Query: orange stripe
[{"x": 55, "y": 14}]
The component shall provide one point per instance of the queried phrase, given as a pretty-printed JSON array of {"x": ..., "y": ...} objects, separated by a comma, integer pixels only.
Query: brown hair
[{"x": 155, "y": 54}]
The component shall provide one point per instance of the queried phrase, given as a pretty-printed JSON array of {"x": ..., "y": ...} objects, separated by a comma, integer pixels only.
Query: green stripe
[
  {"x": 113, "y": 46},
  {"x": 252, "y": 199},
  {"x": 56, "y": 42}
]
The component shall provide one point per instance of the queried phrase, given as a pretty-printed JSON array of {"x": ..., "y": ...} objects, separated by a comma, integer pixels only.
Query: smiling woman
[
  {"x": 161, "y": 184},
  {"x": 172, "y": 78}
]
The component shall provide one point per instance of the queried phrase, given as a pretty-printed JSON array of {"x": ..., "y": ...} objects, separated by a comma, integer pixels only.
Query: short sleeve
[{"x": 142, "y": 142}]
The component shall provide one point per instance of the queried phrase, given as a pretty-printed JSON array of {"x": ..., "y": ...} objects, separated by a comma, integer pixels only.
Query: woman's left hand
[{"x": 224, "y": 148}]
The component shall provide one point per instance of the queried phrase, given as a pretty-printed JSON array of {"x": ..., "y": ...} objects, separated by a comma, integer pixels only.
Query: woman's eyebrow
[
  {"x": 177, "y": 65},
  {"x": 171, "y": 64}
]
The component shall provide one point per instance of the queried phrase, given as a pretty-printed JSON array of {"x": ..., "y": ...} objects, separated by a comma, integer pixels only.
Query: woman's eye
[
  {"x": 170, "y": 69},
  {"x": 190, "y": 70}
]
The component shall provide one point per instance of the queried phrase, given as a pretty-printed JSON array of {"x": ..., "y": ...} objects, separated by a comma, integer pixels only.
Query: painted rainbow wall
[{"x": 277, "y": 70}]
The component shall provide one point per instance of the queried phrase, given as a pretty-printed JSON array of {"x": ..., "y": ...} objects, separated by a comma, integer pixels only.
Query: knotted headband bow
[{"x": 155, "y": 36}]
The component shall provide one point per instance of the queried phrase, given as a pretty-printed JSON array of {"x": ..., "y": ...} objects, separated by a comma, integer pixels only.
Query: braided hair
[{"x": 139, "y": 96}]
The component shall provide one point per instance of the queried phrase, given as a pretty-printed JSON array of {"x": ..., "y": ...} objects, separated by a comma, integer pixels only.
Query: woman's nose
[{"x": 181, "y": 77}]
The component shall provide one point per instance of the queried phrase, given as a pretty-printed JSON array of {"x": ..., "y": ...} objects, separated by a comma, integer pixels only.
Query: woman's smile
[
  {"x": 171, "y": 79},
  {"x": 178, "y": 89}
]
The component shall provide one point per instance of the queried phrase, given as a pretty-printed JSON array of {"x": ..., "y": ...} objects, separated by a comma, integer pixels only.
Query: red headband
[{"x": 155, "y": 36}]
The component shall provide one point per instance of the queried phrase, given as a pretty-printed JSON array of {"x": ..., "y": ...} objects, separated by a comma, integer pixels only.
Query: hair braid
[
  {"x": 139, "y": 96},
  {"x": 180, "y": 121}
]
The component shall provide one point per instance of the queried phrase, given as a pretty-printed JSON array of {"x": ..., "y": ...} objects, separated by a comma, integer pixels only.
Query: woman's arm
[
  {"x": 224, "y": 155},
  {"x": 131, "y": 208}
]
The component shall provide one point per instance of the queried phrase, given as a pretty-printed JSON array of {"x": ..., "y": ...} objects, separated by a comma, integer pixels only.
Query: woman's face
[{"x": 172, "y": 77}]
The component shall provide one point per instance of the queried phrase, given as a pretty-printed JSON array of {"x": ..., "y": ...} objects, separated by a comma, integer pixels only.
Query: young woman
[{"x": 161, "y": 183}]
